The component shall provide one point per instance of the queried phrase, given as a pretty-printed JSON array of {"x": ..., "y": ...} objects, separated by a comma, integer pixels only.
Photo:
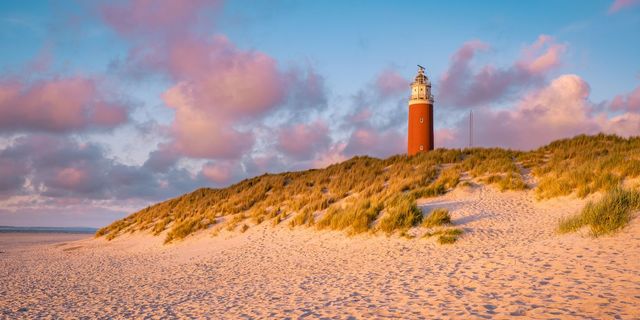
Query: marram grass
[
  {"x": 608, "y": 215},
  {"x": 437, "y": 217},
  {"x": 365, "y": 194}
]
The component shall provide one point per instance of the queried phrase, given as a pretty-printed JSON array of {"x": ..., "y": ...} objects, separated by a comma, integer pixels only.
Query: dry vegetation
[
  {"x": 437, "y": 217},
  {"x": 365, "y": 194},
  {"x": 608, "y": 215}
]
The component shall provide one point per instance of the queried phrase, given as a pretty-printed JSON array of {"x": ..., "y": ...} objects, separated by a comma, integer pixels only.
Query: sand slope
[{"x": 509, "y": 263}]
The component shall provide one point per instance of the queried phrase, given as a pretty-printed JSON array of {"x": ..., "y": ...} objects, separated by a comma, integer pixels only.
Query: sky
[{"x": 107, "y": 107}]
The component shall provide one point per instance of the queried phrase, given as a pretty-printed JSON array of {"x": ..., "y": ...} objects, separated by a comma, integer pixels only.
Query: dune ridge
[{"x": 365, "y": 194}]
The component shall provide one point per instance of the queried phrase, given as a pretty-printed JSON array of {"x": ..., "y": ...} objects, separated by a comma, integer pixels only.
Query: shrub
[
  {"x": 610, "y": 214},
  {"x": 437, "y": 217},
  {"x": 401, "y": 213}
]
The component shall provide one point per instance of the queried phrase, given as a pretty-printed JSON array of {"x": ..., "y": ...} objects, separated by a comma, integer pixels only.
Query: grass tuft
[
  {"x": 355, "y": 217},
  {"x": 606, "y": 216},
  {"x": 445, "y": 236},
  {"x": 437, "y": 217},
  {"x": 402, "y": 213},
  {"x": 303, "y": 218}
]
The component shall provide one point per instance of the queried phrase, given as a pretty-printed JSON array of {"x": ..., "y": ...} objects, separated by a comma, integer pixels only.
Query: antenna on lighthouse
[{"x": 470, "y": 128}]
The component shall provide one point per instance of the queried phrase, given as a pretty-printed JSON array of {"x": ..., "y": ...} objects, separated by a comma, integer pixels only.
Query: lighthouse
[{"x": 420, "y": 115}]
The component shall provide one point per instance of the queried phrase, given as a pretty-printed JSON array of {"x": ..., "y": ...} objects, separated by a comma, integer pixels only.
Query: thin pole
[{"x": 470, "y": 128}]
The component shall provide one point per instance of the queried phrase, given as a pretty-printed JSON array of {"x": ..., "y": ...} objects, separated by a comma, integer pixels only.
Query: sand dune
[{"x": 509, "y": 263}]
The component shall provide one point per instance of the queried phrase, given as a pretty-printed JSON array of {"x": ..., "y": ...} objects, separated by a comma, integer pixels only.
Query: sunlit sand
[{"x": 509, "y": 262}]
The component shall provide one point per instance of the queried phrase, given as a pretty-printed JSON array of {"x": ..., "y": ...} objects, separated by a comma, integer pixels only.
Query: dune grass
[
  {"x": 437, "y": 217},
  {"x": 608, "y": 215},
  {"x": 445, "y": 236},
  {"x": 303, "y": 218},
  {"x": 584, "y": 165},
  {"x": 402, "y": 214},
  {"x": 366, "y": 194},
  {"x": 354, "y": 218}
]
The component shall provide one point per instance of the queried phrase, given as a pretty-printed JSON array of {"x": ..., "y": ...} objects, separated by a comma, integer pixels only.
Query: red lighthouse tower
[{"x": 420, "y": 115}]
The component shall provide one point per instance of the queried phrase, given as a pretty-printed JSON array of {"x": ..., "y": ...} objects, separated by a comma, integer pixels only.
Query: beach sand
[{"x": 509, "y": 263}]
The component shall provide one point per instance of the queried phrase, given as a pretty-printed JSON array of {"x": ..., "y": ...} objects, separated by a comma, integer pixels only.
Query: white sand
[{"x": 509, "y": 263}]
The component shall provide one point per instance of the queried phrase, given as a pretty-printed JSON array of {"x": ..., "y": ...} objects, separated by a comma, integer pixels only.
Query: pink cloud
[
  {"x": 389, "y": 82},
  {"x": 72, "y": 178},
  {"x": 220, "y": 173},
  {"x": 542, "y": 56},
  {"x": 370, "y": 141},
  {"x": 628, "y": 102},
  {"x": 220, "y": 93},
  {"x": 618, "y": 5},
  {"x": 303, "y": 141},
  {"x": 221, "y": 79},
  {"x": 334, "y": 154},
  {"x": 199, "y": 133},
  {"x": 460, "y": 85},
  {"x": 145, "y": 17},
  {"x": 13, "y": 172},
  {"x": 559, "y": 110},
  {"x": 57, "y": 105}
]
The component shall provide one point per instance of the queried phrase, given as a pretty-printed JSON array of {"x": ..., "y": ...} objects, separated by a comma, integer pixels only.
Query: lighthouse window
[
  {"x": 421, "y": 120},
  {"x": 421, "y": 147}
]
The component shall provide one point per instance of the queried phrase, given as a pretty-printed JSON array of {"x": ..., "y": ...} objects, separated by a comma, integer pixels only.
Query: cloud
[
  {"x": 162, "y": 159},
  {"x": 389, "y": 82},
  {"x": 149, "y": 18},
  {"x": 61, "y": 167},
  {"x": 462, "y": 86},
  {"x": 13, "y": 171},
  {"x": 376, "y": 124},
  {"x": 369, "y": 141},
  {"x": 303, "y": 141},
  {"x": 220, "y": 173},
  {"x": 618, "y": 5},
  {"x": 58, "y": 105},
  {"x": 559, "y": 110},
  {"x": 220, "y": 93},
  {"x": 626, "y": 102}
]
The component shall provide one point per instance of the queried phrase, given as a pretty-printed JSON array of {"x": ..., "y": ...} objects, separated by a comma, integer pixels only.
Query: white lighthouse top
[{"x": 421, "y": 88}]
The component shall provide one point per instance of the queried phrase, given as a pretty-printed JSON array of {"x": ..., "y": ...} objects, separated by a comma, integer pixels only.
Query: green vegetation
[
  {"x": 445, "y": 236},
  {"x": 437, "y": 217},
  {"x": 365, "y": 194},
  {"x": 608, "y": 215}
]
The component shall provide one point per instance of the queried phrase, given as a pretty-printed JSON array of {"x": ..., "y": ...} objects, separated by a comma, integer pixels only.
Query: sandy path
[{"x": 509, "y": 263}]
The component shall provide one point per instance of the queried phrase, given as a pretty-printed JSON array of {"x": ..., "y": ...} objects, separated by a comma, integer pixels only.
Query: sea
[{"x": 6, "y": 229}]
